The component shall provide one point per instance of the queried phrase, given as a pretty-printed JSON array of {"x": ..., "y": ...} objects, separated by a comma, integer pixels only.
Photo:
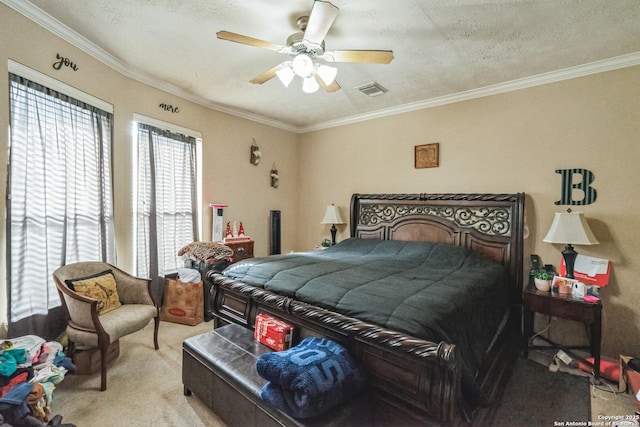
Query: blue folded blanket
[{"x": 310, "y": 378}]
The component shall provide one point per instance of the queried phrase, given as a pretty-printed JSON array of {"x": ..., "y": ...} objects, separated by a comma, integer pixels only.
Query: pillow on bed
[{"x": 101, "y": 286}]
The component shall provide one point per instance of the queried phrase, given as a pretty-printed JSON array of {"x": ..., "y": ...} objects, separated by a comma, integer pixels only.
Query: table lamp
[
  {"x": 332, "y": 216},
  {"x": 570, "y": 228}
]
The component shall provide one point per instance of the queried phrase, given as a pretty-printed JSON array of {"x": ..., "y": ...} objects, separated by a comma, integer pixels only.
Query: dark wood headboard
[{"x": 489, "y": 224}]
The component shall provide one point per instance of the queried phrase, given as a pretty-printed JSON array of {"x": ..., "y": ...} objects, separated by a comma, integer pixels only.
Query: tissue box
[{"x": 272, "y": 332}]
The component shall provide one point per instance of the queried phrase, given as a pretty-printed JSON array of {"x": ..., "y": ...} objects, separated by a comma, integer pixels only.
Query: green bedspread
[{"x": 437, "y": 292}]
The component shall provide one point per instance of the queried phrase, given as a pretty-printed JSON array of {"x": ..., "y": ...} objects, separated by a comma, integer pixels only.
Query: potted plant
[{"x": 542, "y": 279}]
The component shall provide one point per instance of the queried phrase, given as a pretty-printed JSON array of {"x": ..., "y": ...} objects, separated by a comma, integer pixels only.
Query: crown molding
[
  {"x": 596, "y": 67},
  {"x": 53, "y": 25},
  {"x": 56, "y": 27}
]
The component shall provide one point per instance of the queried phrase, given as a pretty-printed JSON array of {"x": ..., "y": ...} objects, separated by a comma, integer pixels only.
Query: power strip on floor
[{"x": 564, "y": 357}]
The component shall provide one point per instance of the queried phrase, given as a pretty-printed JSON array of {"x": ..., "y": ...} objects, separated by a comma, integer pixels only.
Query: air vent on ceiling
[{"x": 372, "y": 89}]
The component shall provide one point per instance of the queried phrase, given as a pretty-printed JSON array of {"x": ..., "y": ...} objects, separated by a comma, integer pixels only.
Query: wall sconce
[
  {"x": 332, "y": 216},
  {"x": 275, "y": 178},
  {"x": 255, "y": 154},
  {"x": 570, "y": 228}
]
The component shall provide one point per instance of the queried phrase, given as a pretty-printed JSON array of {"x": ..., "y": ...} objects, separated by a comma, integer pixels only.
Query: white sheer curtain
[
  {"x": 59, "y": 208},
  {"x": 167, "y": 203}
]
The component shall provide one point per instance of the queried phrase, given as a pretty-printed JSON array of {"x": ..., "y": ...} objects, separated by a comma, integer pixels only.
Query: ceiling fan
[{"x": 306, "y": 46}]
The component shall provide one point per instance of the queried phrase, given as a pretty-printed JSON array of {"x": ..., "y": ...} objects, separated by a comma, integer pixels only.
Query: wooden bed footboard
[{"x": 413, "y": 380}]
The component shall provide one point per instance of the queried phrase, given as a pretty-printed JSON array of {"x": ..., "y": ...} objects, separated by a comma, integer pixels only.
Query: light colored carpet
[{"x": 144, "y": 386}]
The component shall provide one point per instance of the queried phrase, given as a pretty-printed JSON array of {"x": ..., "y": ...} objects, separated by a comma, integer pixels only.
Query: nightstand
[
  {"x": 241, "y": 250},
  {"x": 565, "y": 307}
]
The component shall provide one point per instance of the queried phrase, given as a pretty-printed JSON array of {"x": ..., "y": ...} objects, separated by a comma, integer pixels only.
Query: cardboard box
[
  {"x": 182, "y": 302},
  {"x": 629, "y": 380},
  {"x": 88, "y": 361},
  {"x": 272, "y": 332},
  {"x": 589, "y": 270},
  {"x": 622, "y": 383}
]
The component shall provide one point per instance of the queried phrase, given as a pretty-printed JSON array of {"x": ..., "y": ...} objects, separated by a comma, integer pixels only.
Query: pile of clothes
[
  {"x": 30, "y": 368},
  {"x": 309, "y": 379}
]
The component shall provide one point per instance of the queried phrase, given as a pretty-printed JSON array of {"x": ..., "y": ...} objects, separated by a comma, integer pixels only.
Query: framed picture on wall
[{"x": 427, "y": 155}]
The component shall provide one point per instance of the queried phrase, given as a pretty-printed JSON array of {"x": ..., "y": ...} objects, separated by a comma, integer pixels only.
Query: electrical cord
[
  {"x": 546, "y": 328},
  {"x": 595, "y": 387}
]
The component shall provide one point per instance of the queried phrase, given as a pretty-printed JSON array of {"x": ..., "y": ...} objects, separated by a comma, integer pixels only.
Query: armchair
[{"x": 86, "y": 326}]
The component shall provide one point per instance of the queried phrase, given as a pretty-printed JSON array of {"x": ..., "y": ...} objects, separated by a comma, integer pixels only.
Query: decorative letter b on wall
[{"x": 568, "y": 186}]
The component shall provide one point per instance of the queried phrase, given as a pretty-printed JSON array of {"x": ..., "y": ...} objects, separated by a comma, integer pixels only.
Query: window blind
[{"x": 167, "y": 200}]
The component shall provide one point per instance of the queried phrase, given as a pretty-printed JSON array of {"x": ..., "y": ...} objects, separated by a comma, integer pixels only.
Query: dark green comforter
[{"x": 437, "y": 292}]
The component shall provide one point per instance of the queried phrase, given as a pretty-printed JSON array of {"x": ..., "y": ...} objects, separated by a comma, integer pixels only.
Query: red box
[
  {"x": 589, "y": 270},
  {"x": 272, "y": 332}
]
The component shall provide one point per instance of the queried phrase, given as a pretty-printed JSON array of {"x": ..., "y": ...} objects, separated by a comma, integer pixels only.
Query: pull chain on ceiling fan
[{"x": 305, "y": 47}]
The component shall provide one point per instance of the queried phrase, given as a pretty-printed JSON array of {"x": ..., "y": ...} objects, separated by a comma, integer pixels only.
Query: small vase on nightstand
[
  {"x": 542, "y": 279},
  {"x": 542, "y": 285}
]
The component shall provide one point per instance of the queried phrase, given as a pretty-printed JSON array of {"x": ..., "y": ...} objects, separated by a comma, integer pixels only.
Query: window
[
  {"x": 59, "y": 208},
  {"x": 167, "y": 201}
]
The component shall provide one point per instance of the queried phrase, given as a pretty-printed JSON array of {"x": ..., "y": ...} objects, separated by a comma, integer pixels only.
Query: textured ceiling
[{"x": 441, "y": 47}]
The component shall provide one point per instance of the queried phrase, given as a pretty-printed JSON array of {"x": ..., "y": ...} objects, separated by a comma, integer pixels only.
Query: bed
[{"x": 426, "y": 294}]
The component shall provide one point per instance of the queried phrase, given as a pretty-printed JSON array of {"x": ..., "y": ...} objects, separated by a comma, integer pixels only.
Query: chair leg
[
  {"x": 70, "y": 347},
  {"x": 156, "y": 321},
  {"x": 104, "y": 350}
]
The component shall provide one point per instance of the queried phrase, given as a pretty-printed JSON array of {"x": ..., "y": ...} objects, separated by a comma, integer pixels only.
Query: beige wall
[
  {"x": 504, "y": 143},
  {"x": 228, "y": 177},
  {"x": 511, "y": 142}
]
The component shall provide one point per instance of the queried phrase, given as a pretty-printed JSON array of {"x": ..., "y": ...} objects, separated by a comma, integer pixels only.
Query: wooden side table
[{"x": 565, "y": 307}]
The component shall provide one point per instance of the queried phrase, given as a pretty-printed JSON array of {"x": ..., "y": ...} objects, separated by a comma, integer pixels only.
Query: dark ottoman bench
[{"x": 219, "y": 368}]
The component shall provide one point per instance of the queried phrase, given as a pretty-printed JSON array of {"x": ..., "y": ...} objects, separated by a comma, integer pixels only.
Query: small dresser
[{"x": 241, "y": 250}]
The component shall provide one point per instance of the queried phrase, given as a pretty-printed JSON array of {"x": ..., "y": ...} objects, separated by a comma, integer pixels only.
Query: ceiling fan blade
[
  {"x": 333, "y": 87},
  {"x": 364, "y": 56},
  {"x": 267, "y": 75},
  {"x": 321, "y": 19},
  {"x": 239, "y": 38}
]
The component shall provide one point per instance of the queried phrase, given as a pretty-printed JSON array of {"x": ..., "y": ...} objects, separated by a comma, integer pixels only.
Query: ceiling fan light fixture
[
  {"x": 327, "y": 73},
  {"x": 308, "y": 45},
  {"x": 310, "y": 85},
  {"x": 303, "y": 65},
  {"x": 286, "y": 74}
]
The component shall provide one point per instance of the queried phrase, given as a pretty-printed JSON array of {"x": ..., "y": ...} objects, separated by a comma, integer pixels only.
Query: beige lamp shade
[
  {"x": 332, "y": 216},
  {"x": 570, "y": 228}
]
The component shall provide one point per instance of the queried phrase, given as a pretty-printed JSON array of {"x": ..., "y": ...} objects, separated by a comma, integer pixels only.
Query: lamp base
[
  {"x": 333, "y": 234},
  {"x": 569, "y": 254}
]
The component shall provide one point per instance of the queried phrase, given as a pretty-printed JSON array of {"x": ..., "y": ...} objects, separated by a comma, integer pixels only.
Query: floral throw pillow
[{"x": 101, "y": 286}]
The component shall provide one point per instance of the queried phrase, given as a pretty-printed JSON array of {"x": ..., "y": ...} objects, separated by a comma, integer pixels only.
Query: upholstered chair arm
[
  {"x": 82, "y": 311},
  {"x": 131, "y": 289}
]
